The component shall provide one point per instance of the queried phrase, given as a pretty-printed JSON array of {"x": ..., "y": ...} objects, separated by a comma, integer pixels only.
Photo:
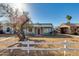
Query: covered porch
[{"x": 65, "y": 29}]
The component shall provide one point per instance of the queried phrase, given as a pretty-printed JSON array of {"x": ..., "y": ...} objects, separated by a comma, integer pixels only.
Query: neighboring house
[
  {"x": 69, "y": 28},
  {"x": 39, "y": 29},
  {"x": 6, "y": 29}
]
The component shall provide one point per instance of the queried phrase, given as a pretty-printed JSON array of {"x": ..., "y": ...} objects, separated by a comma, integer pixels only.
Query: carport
[{"x": 64, "y": 30}]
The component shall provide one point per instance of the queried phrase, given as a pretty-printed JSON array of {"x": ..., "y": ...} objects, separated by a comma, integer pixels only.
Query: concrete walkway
[{"x": 71, "y": 35}]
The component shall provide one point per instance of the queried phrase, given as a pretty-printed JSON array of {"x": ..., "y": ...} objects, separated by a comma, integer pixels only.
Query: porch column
[
  {"x": 27, "y": 30},
  {"x": 69, "y": 30},
  {"x": 40, "y": 30},
  {"x": 36, "y": 30},
  {"x": 33, "y": 30}
]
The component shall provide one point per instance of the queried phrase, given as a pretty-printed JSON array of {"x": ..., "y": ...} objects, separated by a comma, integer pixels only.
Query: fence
[{"x": 28, "y": 47}]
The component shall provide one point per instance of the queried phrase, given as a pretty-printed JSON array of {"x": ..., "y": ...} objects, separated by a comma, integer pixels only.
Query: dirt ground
[
  {"x": 42, "y": 53},
  {"x": 59, "y": 39}
]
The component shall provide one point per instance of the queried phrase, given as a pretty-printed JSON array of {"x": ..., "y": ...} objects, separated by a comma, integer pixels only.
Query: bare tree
[{"x": 17, "y": 21}]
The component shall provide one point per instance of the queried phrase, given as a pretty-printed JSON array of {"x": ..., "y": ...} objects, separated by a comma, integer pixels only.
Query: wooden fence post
[
  {"x": 28, "y": 46},
  {"x": 65, "y": 46}
]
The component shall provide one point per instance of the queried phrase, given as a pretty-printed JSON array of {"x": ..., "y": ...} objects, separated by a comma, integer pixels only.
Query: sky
[{"x": 54, "y": 13}]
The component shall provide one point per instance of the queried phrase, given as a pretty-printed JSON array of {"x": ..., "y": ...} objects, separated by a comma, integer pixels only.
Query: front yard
[
  {"x": 57, "y": 38},
  {"x": 7, "y": 38}
]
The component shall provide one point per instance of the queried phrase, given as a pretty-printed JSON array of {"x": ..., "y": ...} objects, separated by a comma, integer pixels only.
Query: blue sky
[{"x": 54, "y": 13}]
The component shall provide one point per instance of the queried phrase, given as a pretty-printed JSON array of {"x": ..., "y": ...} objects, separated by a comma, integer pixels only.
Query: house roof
[
  {"x": 71, "y": 24},
  {"x": 42, "y": 25}
]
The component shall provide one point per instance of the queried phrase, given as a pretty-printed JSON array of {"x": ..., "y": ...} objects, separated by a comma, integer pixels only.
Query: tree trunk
[{"x": 21, "y": 33}]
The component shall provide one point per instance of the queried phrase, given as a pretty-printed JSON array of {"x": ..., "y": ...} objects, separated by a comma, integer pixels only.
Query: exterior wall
[
  {"x": 26, "y": 30},
  {"x": 5, "y": 30},
  {"x": 46, "y": 30},
  {"x": 10, "y": 32},
  {"x": 42, "y": 30},
  {"x": 77, "y": 31}
]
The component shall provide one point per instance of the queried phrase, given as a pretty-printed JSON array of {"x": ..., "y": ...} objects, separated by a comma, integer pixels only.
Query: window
[{"x": 8, "y": 29}]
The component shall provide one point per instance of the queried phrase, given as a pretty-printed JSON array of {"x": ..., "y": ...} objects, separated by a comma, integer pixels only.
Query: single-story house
[
  {"x": 71, "y": 28},
  {"x": 39, "y": 29}
]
